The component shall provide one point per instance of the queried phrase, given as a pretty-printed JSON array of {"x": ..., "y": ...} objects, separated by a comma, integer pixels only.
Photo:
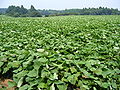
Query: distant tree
[
  {"x": 16, "y": 11},
  {"x": 3, "y": 10},
  {"x": 32, "y": 8},
  {"x": 23, "y": 10},
  {"x": 33, "y": 12},
  {"x": 16, "y": 14},
  {"x": 11, "y": 10}
]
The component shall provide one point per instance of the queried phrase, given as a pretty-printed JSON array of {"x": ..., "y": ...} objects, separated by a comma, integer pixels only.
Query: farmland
[{"x": 59, "y": 53}]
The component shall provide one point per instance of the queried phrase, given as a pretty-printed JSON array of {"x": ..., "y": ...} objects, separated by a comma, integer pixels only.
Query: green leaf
[
  {"x": 52, "y": 87},
  {"x": 3, "y": 58},
  {"x": 24, "y": 87},
  {"x": 59, "y": 66},
  {"x": 43, "y": 60},
  {"x": 1, "y": 63},
  {"x": 108, "y": 72},
  {"x": 39, "y": 62},
  {"x": 80, "y": 83},
  {"x": 20, "y": 82},
  {"x": 49, "y": 82},
  {"x": 18, "y": 69},
  {"x": 72, "y": 79},
  {"x": 114, "y": 85},
  {"x": 6, "y": 69},
  {"x": 59, "y": 82},
  {"x": 33, "y": 73},
  {"x": 33, "y": 82},
  {"x": 105, "y": 85},
  {"x": 86, "y": 73},
  {"x": 11, "y": 84},
  {"x": 21, "y": 74},
  {"x": 40, "y": 50},
  {"x": 84, "y": 87},
  {"x": 25, "y": 64},
  {"x": 88, "y": 64},
  {"x": 92, "y": 69},
  {"x": 73, "y": 70},
  {"x": 98, "y": 82},
  {"x": 62, "y": 87},
  {"x": 94, "y": 88},
  {"x": 66, "y": 74},
  {"x": 14, "y": 64},
  {"x": 98, "y": 71},
  {"x": 45, "y": 73},
  {"x": 53, "y": 76},
  {"x": 42, "y": 85}
]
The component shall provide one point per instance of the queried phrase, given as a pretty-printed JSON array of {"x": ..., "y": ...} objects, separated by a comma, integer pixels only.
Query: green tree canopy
[{"x": 17, "y": 11}]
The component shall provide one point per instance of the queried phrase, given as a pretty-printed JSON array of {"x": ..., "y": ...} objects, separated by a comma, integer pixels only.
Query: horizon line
[{"x": 61, "y": 9}]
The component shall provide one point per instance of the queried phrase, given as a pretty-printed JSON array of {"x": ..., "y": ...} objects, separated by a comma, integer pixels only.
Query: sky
[{"x": 61, "y": 4}]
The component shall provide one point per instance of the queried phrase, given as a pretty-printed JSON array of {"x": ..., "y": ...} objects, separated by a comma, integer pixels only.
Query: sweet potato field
[{"x": 60, "y": 53}]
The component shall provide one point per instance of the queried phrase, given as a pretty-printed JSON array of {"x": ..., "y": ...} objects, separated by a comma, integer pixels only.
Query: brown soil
[{"x": 5, "y": 84}]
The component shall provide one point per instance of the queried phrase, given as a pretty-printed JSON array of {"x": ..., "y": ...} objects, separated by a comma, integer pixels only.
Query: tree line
[
  {"x": 20, "y": 11},
  {"x": 17, "y": 11},
  {"x": 84, "y": 11}
]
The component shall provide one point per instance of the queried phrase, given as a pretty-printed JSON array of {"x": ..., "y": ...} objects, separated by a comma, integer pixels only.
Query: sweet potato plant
[{"x": 61, "y": 53}]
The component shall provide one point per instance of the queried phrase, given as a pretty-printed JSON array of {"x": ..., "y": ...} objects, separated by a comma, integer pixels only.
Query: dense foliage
[
  {"x": 2, "y": 10},
  {"x": 23, "y": 12},
  {"x": 84, "y": 11},
  {"x": 57, "y": 53}
]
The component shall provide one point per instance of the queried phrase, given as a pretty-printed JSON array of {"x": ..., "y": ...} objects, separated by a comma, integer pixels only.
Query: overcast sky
[{"x": 61, "y": 4}]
